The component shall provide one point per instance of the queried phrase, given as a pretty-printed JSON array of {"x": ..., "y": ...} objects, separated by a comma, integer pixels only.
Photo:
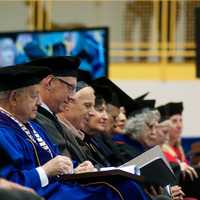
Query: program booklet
[{"x": 154, "y": 167}]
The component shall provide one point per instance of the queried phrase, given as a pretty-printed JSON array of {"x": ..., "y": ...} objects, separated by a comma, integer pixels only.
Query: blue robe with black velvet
[
  {"x": 18, "y": 164},
  {"x": 136, "y": 147}
]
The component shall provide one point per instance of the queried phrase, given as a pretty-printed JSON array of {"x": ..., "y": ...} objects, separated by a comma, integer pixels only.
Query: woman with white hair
[{"x": 140, "y": 131}]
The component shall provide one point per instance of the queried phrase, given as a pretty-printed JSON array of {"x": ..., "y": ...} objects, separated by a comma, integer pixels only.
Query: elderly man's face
[
  {"x": 81, "y": 105},
  {"x": 61, "y": 88},
  {"x": 26, "y": 103}
]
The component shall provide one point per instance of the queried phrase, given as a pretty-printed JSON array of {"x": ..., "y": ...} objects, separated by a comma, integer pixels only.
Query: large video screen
[{"x": 89, "y": 44}]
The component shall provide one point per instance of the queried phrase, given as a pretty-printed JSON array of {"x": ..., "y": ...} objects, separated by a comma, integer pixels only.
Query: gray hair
[
  {"x": 136, "y": 125},
  {"x": 5, "y": 94}
]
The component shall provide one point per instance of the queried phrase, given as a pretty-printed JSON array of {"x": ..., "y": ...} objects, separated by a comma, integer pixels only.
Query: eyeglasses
[{"x": 71, "y": 87}]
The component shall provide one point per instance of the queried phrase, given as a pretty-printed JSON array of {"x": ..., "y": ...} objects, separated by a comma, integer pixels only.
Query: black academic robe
[
  {"x": 115, "y": 154},
  {"x": 103, "y": 152},
  {"x": 109, "y": 149},
  {"x": 92, "y": 153}
]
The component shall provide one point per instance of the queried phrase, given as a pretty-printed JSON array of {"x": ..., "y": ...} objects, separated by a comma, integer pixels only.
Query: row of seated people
[
  {"x": 75, "y": 122},
  {"x": 147, "y": 130},
  {"x": 28, "y": 157},
  {"x": 150, "y": 128}
]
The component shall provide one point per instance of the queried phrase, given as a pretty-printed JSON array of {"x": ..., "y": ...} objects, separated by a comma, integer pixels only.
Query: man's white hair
[{"x": 5, "y": 94}]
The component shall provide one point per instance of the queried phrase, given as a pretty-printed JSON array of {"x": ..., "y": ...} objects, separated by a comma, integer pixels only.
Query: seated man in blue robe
[{"x": 28, "y": 157}]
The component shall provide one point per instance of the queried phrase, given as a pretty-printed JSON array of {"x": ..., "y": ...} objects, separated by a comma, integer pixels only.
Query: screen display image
[{"x": 89, "y": 44}]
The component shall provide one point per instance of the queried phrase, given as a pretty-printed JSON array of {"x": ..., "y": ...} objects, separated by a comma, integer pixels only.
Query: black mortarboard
[
  {"x": 85, "y": 76},
  {"x": 170, "y": 109},
  {"x": 19, "y": 76},
  {"x": 102, "y": 92},
  {"x": 120, "y": 98},
  {"x": 142, "y": 96},
  {"x": 59, "y": 65},
  {"x": 139, "y": 105}
]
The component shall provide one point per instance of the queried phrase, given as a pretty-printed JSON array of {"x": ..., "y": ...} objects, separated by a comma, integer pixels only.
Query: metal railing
[
  {"x": 171, "y": 39},
  {"x": 170, "y": 19}
]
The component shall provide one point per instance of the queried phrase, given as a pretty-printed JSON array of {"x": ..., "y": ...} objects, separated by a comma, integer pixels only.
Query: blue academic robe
[
  {"x": 18, "y": 163},
  {"x": 138, "y": 148}
]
